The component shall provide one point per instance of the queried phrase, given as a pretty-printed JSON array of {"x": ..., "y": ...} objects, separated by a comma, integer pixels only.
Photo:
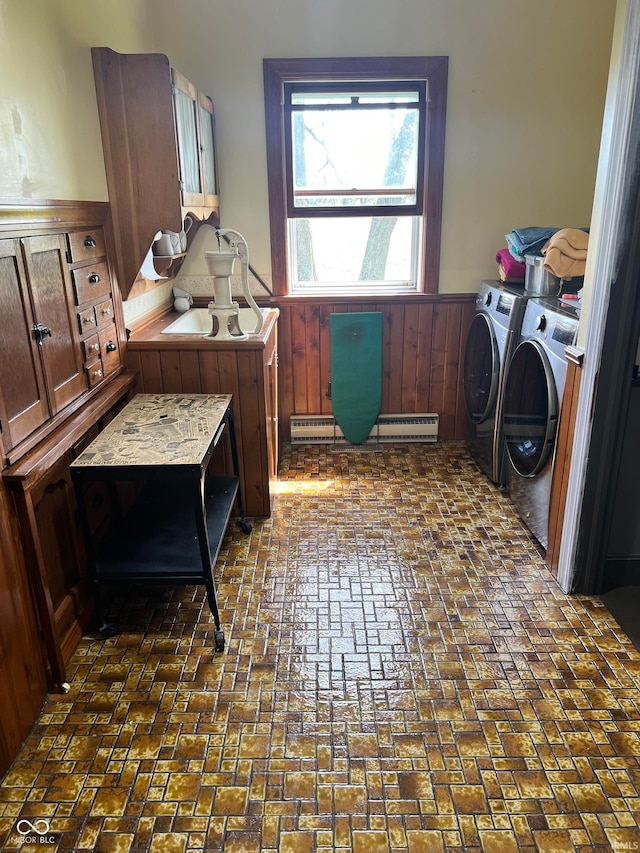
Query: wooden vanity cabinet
[
  {"x": 270, "y": 380},
  {"x": 158, "y": 143},
  {"x": 173, "y": 364}
]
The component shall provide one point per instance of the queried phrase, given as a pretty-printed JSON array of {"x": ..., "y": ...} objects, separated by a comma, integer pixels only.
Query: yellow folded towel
[{"x": 565, "y": 253}]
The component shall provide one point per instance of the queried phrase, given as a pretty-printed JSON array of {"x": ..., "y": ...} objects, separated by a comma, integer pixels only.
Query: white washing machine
[
  {"x": 492, "y": 337},
  {"x": 533, "y": 389}
]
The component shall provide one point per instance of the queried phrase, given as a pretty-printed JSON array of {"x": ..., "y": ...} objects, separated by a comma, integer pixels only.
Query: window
[{"x": 355, "y": 159}]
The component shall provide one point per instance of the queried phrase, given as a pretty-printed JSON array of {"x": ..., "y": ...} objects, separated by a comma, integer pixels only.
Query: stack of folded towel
[
  {"x": 565, "y": 253},
  {"x": 509, "y": 270},
  {"x": 527, "y": 241}
]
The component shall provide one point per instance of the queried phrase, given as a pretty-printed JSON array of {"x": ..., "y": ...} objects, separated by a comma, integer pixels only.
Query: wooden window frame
[{"x": 433, "y": 69}]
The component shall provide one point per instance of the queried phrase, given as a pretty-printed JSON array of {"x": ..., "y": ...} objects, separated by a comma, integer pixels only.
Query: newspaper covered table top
[{"x": 158, "y": 429}]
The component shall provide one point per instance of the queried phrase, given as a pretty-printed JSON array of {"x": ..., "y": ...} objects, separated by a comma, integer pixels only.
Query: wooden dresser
[{"x": 61, "y": 380}]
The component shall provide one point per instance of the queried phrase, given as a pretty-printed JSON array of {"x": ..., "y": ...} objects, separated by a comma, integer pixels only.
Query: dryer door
[
  {"x": 530, "y": 409},
  {"x": 481, "y": 369}
]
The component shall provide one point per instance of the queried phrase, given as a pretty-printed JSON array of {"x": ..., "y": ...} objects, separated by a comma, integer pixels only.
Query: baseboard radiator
[{"x": 389, "y": 429}]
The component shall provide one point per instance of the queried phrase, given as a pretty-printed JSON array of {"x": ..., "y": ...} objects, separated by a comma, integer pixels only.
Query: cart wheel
[
  {"x": 108, "y": 630},
  {"x": 219, "y": 640},
  {"x": 246, "y": 526},
  {"x": 65, "y": 687}
]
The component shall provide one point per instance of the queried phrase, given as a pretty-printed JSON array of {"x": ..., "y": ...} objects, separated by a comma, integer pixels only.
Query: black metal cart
[{"x": 173, "y": 532}]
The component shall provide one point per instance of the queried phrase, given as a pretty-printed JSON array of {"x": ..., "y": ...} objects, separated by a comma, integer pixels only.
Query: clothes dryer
[
  {"x": 492, "y": 336},
  {"x": 533, "y": 390}
]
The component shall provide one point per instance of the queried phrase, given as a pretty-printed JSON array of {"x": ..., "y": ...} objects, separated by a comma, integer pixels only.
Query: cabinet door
[
  {"x": 64, "y": 560},
  {"x": 185, "y": 100},
  {"x": 22, "y": 672},
  {"x": 53, "y": 307},
  {"x": 23, "y": 406},
  {"x": 208, "y": 150}
]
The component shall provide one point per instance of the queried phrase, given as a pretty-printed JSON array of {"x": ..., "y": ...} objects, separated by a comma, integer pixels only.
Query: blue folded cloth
[{"x": 527, "y": 241}]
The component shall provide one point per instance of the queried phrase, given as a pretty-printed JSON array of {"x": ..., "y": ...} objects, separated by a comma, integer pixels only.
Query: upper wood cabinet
[
  {"x": 41, "y": 369},
  {"x": 196, "y": 153},
  {"x": 23, "y": 404},
  {"x": 59, "y": 338},
  {"x": 159, "y": 154}
]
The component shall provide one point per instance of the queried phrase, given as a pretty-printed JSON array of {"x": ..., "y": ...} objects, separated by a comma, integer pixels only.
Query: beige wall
[
  {"x": 526, "y": 94},
  {"x": 527, "y": 84},
  {"x": 50, "y": 143}
]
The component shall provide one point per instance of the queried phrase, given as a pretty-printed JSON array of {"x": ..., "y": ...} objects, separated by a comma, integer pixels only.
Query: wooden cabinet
[
  {"x": 53, "y": 309},
  {"x": 22, "y": 672},
  {"x": 40, "y": 357},
  {"x": 52, "y": 540},
  {"x": 195, "y": 122},
  {"x": 159, "y": 154},
  {"x": 55, "y": 293},
  {"x": 54, "y": 269},
  {"x": 23, "y": 398},
  {"x": 94, "y": 301},
  {"x": 270, "y": 380},
  {"x": 247, "y": 370}
]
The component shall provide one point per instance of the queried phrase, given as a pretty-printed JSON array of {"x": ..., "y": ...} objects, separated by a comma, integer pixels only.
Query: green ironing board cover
[{"x": 356, "y": 372}]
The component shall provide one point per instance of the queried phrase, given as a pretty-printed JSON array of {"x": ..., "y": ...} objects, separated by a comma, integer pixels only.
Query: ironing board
[{"x": 356, "y": 372}]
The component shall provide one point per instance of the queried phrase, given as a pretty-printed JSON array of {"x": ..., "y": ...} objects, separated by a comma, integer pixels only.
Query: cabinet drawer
[
  {"x": 84, "y": 245},
  {"x": 92, "y": 282},
  {"x": 91, "y": 348},
  {"x": 86, "y": 320},
  {"x": 95, "y": 373},
  {"x": 104, "y": 312},
  {"x": 109, "y": 350}
]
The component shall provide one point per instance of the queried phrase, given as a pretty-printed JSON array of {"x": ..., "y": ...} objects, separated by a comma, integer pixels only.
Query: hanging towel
[{"x": 356, "y": 372}]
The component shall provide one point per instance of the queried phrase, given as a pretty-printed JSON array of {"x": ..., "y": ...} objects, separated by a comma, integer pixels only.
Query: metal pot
[{"x": 537, "y": 280}]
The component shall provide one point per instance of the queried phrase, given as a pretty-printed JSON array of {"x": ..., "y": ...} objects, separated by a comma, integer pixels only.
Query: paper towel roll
[{"x": 147, "y": 270}]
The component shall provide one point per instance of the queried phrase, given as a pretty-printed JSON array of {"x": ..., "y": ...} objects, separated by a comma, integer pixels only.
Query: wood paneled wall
[{"x": 423, "y": 352}]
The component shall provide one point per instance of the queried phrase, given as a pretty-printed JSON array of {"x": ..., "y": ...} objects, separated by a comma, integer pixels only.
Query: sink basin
[{"x": 197, "y": 321}]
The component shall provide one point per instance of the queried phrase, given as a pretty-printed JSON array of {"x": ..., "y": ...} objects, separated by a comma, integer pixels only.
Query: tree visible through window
[{"x": 355, "y": 150}]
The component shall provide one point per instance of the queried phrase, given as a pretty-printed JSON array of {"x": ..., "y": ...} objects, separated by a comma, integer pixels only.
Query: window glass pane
[
  {"x": 187, "y": 141},
  {"x": 206, "y": 131},
  {"x": 354, "y": 199},
  {"x": 315, "y": 98},
  {"x": 354, "y": 153},
  {"x": 328, "y": 252}
]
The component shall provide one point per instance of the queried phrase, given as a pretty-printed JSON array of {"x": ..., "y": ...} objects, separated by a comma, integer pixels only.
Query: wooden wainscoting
[
  {"x": 423, "y": 352},
  {"x": 564, "y": 448}
]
